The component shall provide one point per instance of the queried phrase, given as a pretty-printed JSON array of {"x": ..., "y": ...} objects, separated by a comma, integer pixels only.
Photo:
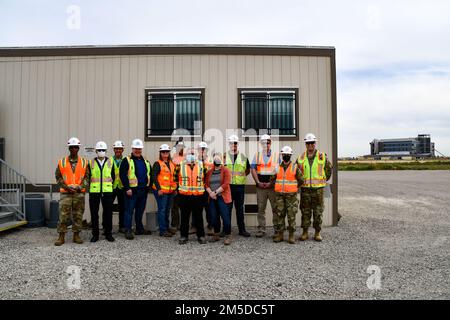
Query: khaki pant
[{"x": 262, "y": 195}]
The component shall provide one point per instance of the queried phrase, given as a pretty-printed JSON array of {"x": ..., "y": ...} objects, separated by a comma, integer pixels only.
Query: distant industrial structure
[{"x": 418, "y": 147}]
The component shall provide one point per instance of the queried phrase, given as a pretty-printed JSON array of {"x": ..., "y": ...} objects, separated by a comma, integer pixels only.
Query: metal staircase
[{"x": 13, "y": 196}]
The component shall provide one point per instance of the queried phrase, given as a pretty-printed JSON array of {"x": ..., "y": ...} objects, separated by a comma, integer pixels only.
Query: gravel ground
[{"x": 398, "y": 221}]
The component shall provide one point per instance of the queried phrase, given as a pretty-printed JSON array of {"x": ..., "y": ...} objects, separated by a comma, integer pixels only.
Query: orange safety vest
[
  {"x": 268, "y": 168},
  {"x": 190, "y": 180},
  {"x": 286, "y": 179},
  {"x": 165, "y": 177},
  {"x": 72, "y": 178}
]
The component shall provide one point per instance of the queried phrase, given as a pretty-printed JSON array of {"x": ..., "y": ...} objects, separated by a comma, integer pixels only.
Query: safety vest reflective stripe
[
  {"x": 313, "y": 176},
  {"x": 132, "y": 179},
  {"x": 165, "y": 177},
  {"x": 101, "y": 179},
  {"x": 191, "y": 179},
  {"x": 237, "y": 168},
  {"x": 71, "y": 178},
  {"x": 286, "y": 181},
  {"x": 268, "y": 168}
]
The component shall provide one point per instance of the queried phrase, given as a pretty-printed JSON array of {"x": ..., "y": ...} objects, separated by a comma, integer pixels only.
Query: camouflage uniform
[
  {"x": 311, "y": 199},
  {"x": 286, "y": 204},
  {"x": 70, "y": 203}
]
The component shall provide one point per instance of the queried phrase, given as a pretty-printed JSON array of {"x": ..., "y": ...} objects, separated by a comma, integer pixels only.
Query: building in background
[
  {"x": 418, "y": 147},
  {"x": 151, "y": 92}
]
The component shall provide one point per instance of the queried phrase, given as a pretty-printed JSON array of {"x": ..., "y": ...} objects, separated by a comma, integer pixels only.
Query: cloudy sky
[{"x": 393, "y": 57}]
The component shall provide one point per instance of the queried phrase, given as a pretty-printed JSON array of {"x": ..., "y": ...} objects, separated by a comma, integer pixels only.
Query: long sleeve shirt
[
  {"x": 155, "y": 172},
  {"x": 176, "y": 174},
  {"x": 140, "y": 171}
]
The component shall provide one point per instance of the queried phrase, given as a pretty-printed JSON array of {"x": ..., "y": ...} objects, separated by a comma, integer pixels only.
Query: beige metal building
[{"x": 48, "y": 94}]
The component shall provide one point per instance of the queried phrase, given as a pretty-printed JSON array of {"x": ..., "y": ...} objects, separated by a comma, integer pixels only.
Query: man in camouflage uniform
[
  {"x": 286, "y": 188},
  {"x": 71, "y": 177},
  {"x": 316, "y": 171}
]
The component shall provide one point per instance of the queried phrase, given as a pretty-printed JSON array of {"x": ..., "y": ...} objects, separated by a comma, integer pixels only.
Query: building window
[
  {"x": 268, "y": 111},
  {"x": 177, "y": 113}
]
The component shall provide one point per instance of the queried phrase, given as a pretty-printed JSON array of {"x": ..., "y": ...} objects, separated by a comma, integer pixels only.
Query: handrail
[{"x": 13, "y": 191}]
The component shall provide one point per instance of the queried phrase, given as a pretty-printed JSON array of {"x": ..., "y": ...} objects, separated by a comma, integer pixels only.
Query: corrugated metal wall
[{"x": 45, "y": 100}]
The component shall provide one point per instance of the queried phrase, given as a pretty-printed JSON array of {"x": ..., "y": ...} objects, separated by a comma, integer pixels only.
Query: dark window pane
[
  {"x": 161, "y": 114},
  {"x": 255, "y": 111},
  {"x": 188, "y": 111},
  {"x": 282, "y": 113}
]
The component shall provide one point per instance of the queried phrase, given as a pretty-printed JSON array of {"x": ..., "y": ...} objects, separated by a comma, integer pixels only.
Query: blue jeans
[
  {"x": 164, "y": 203},
  {"x": 238, "y": 196},
  {"x": 218, "y": 208},
  {"x": 135, "y": 204}
]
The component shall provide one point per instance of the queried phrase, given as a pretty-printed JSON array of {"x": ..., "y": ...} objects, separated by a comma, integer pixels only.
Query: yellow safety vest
[
  {"x": 132, "y": 179},
  {"x": 101, "y": 180},
  {"x": 314, "y": 176},
  {"x": 237, "y": 168},
  {"x": 117, "y": 182}
]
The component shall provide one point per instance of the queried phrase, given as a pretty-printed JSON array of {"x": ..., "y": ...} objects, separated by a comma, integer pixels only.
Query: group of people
[{"x": 188, "y": 183}]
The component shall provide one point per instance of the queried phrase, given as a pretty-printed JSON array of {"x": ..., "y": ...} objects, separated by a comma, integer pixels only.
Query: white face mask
[{"x": 101, "y": 154}]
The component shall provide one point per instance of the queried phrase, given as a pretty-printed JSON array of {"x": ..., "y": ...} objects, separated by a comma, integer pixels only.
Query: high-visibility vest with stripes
[
  {"x": 207, "y": 163},
  {"x": 237, "y": 168},
  {"x": 165, "y": 177},
  {"x": 269, "y": 168},
  {"x": 71, "y": 178},
  {"x": 313, "y": 176},
  {"x": 190, "y": 180},
  {"x": 101, "y": 180},
  {"x": 132, "y": 179},
  {"x": 286, "y": 181},
  {"x": 117, "y": 182}
]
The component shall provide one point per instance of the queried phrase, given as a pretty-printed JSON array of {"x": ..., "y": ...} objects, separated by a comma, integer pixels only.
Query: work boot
[
  {"x": 110, "y": 238},
  {"x": 278, "y": 237},
  {"x": 260, "y": 234},
  {"x": 173, "y": 230},
  {"x": 94, "y": 239},
  {"x": 214, "y": 238},
  {"x": 304, "y": 235},
  {"x": 76, "y": 238},
  {"x": 201, "y": 240},
  {"x": 129, "y": 235},
  {"x": 244, "y": 234},
  {"x": 60, "y": 240},
  {"x": 227, "y": 240},
  {"x": 317, "y": 236},
  {"x": 209, "y": 231},
  {"x": 183, "y": 240},
  {"x": 291, "y": 239}
]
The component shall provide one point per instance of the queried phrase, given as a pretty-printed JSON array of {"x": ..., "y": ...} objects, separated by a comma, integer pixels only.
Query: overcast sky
[{"x": 393, "y": 57}]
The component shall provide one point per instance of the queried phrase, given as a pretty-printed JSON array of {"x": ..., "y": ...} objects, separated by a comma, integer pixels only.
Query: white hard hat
[
  {"x": 118, "y": 144},
  {"x": 73, "y": 142},
  {"x": 101, "y": 145},
  {"x": 202, "y": 144},
  {"x": 310, "y": 138},
  {"x": 264, "y": 137},
  {"x": 233, "y": 138},
  {"x": 137, "y": 144},
  {"x": 286, "y": 150},
  {"x": 164, "y": 147}
]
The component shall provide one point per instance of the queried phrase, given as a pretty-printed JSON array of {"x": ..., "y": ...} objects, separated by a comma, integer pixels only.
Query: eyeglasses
[
  {"x": 234, "y": 143},
  {"x": 309, "y": 143},
  {"x": 101, "y": 150}
]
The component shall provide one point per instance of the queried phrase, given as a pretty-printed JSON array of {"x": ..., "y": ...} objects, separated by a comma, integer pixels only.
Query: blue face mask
[{"x": 190, "y": 158}]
